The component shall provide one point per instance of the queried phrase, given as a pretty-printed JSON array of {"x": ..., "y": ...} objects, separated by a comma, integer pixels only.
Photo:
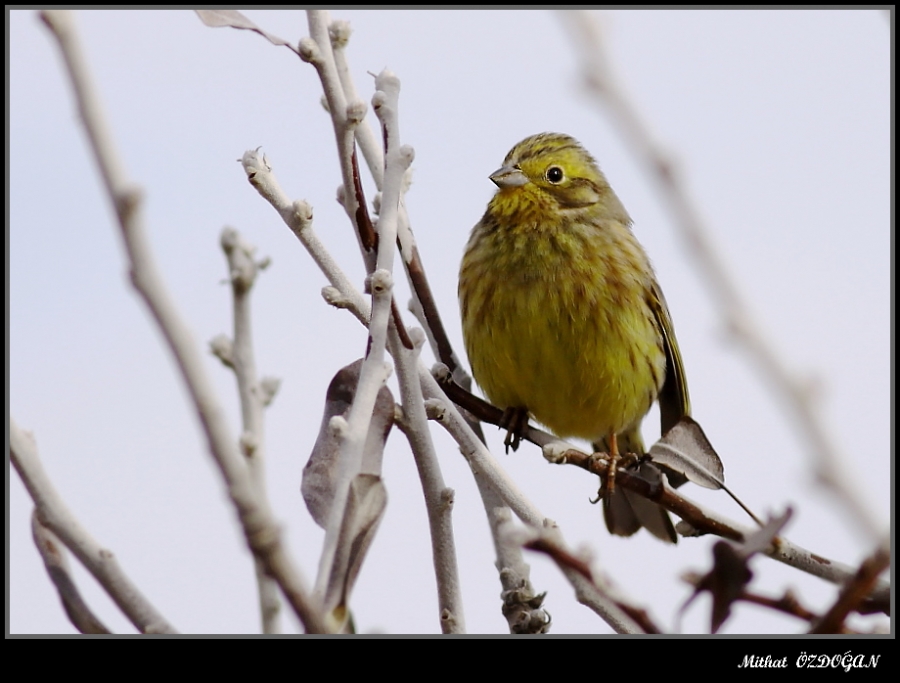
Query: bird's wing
[{"x": 674, "y": 402}]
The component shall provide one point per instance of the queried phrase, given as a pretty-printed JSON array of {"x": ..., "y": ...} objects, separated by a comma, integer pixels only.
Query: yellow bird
[{"x": 562, "y": 315}]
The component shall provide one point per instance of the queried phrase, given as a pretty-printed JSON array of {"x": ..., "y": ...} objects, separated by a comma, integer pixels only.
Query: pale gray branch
[
  {"x": 242, "y": 270},
  {"x": 298, "y": 216},
  {"x": 602, "y": 82},
  {"x": 260, "y": 528},
  {"x": 373, "y": 374},
  {"x": 483, "y": 465},
  {"x": 348, "y": 119},
  {"x": 53, "y": 513},
  {"x": 522, "y": 606},
  {"x": 592, "y": 589},
  {"x": 346, "y": 115},
  {"x": 57, "y": 565},
  {"x": 339, "y": 32},
  {"x": 438, "y": 498}
]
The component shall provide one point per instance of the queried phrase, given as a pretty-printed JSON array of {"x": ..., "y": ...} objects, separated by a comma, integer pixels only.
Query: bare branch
[
  {"x": 339, "y": 32},
  {"x": 51, "y": 512},
  {"x": 260, "y": 529},
  {"x": 523, "y": 606},
  {"x": 298, "y": 216},
  {"x": 856, "y": 591},
  {"x": 57, "y": 565},
  {"x": 425, "y": 307},
  {"x": 484, "y": 466},
  {"x": 346, "y": 116},
  {"x": 438, "y": 497},
  {"x": 367, "y": 495},
  {"x": 331, "y": 65},
  {"x": 597, "y": 595},
  {"x": 243, "y": 269},
  {"x": 602, "y": 82},
  {"x": 701, "y": 520}
]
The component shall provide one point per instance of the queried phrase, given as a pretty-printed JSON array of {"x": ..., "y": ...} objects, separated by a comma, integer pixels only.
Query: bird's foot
[{"x": 514, "y": 421}]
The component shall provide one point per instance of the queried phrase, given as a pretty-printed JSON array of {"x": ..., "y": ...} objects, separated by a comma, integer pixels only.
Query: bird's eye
[{"x": 555, "y": 174}]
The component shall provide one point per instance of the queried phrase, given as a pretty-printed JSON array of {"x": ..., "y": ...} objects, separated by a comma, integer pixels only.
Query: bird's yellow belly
[{"x": 583, "y": 364}]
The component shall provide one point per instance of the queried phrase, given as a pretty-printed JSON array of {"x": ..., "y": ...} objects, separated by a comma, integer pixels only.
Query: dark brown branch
[
  {"x": 855, "y": 593},
  {"x": 595, "y": 464},
  {"x": 368, "y": 237},
  {"x": 567, "y": 560},
  {"x": 368, "y": 242},
  {"x": 481, "y": 410},
  {"x": 401, "y": 328},
  {"x": 416, "y": 272},
  {"x": 786, "y": 604},
  {"x": 666, "y": 497},
  {"x": 877, "y": 600}
]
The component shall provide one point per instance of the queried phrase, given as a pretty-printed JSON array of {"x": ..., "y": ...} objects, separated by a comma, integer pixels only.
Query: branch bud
[{"x": 309, "y": 51}]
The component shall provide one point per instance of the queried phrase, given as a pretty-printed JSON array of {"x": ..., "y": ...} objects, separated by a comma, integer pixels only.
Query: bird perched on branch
[{"x": 563, "y": 318}]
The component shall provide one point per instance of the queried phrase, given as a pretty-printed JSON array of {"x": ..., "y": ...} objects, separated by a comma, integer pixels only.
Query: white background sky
[{"x": 781, "y": 121}]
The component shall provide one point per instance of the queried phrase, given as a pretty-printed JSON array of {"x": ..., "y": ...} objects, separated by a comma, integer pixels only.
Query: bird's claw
[{"x": 514, "y": 421}]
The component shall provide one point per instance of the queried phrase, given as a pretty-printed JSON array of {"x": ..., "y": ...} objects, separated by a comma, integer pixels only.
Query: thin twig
[
  {"x": 339, "y": 32},
  {"x": 298, "y": 216},
  {"x": 701, "y": 519},
  {"x": 523, "y": 606},
  {"x": 52, "y": 513},
  {"x": 377, "y": 248},
  {"x": 55, "y": 561},
  {"x": 591, "y": 589},
  {"x": 260, "y": 529},
  {"x": 602, "y": 82},
  {"x": 856, "y": 591},
  {"x": 484, "y": 465},
  {"x": 242, "y": 270},
  {"x": 438, "y": 497}
]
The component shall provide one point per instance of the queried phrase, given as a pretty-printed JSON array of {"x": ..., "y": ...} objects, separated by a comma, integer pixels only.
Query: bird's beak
[{"x": 508, "y": 176}]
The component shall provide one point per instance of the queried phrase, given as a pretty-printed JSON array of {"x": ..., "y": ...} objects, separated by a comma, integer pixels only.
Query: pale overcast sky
[{"x": 780, "y": 120}]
